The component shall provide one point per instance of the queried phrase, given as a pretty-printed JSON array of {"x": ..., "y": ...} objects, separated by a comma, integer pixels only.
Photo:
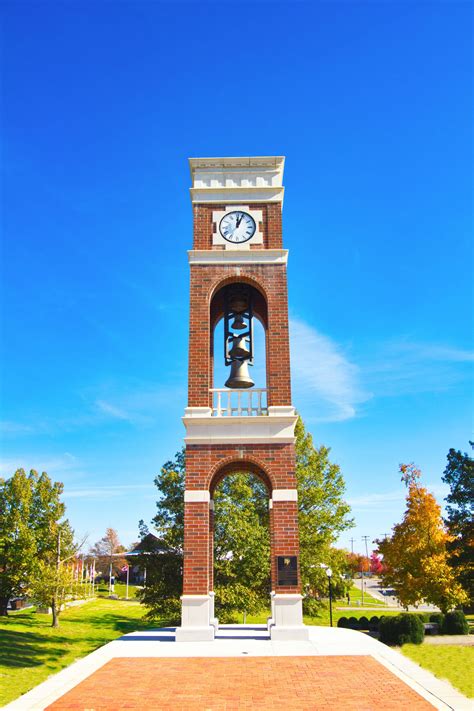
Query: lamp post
[{"x": 329, "y": 574}]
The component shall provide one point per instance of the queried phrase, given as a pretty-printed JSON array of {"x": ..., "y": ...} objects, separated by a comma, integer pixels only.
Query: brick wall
[
  {"x": 270, "y": 226},
  {"x": 205, "y": 466},
  {"x": 205, "y": 283}
]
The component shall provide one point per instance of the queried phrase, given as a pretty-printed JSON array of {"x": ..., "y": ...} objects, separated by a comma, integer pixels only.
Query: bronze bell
[
  {"x": 239, "y": 323},
  {"x": 239, "y": 347},
  {"x": 239, "y": 375},
  {"x": 238, "y": 302}
]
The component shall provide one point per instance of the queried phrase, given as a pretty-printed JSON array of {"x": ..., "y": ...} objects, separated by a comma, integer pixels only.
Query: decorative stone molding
[
  {"x": 240, "y": 430},
  {"x": 196, "y": 496},
  {"x": 285, "y": 495},
  {"x": 275, "y": 257},
  {"x": 237, "y": 180}
]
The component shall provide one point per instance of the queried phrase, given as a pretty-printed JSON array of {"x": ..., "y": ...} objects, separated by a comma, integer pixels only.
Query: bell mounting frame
[{"x": 234, "y": 291}]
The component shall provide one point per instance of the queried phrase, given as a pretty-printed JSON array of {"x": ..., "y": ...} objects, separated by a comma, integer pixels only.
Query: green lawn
[
  {"x": 31, "y": 650},
  {"x": 446, "y": 662},
  {"x": 356, "y": 596},
  {"x": 120, "y": 589}
]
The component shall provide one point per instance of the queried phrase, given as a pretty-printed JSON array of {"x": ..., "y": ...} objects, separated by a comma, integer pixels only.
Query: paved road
[{"x": 374, "y": 587}]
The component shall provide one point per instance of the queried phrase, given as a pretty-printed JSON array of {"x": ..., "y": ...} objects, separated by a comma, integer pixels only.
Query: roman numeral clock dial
[{"x": 237, "y": 227}]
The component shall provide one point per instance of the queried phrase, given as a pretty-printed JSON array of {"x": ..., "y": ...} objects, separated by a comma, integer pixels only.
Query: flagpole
[{"x": 126, "y": 594}]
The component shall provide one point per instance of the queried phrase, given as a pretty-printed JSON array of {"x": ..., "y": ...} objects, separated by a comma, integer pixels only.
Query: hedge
[
  {"x": 401, "y": 629},
  {"x": 455, "y": 623}
]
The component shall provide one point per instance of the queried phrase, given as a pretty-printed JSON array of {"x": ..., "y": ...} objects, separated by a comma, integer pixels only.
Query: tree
[
  {"x": 323, "y": 515},
  {"x": 107, "y": 550},
  {"x": 357, "y": 564},
  {"x": 161, "y": 594},
  {"x": 51, "y": 584},
  {"x": 241, "y": 546},
  {"x": 415, "y": 557},
  {"x": 376, "y": 565},
  {"x": 17, "y": 538},
  {"x": 241, "y": 552},
  {"x": 31, "y": 515},
  {"x": 459, "y": 475}
]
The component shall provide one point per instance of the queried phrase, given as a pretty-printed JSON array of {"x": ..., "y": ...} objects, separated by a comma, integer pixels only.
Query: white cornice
[
  {"x": 235, "y": 180},
  {"x": 240, "y": 430},
  {"x": 237, "y": 162},
  {"x": 252, "y": 256}
]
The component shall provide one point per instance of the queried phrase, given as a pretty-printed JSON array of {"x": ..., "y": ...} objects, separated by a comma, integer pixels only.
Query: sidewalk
[{"x": 335, "y": 669}]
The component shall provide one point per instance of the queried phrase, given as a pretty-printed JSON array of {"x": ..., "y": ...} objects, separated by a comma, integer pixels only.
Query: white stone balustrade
[{"x": 239, "y": 403}]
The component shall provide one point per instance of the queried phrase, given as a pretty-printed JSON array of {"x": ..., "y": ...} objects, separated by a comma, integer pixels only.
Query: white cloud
[
  {"x": 325, "y": 381},
  {"x": 52, "y": 465},
  {"x": 8, "y": 427},
  {"x": 373, "y": 500},
  {"x": 111, "y": 410},
  {"x": 104, "y": 492},
  {"x": 404, "y": 367}
]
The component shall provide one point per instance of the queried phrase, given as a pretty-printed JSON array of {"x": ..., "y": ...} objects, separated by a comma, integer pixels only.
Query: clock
[{"x": 237, "y": 227}]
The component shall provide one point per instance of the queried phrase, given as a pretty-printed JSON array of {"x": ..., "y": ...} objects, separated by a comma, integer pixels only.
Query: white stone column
[
  {"x": 195, "y": 616},
  {"x": 212, "y": 618},
  {"x": 288, "y": 616}
]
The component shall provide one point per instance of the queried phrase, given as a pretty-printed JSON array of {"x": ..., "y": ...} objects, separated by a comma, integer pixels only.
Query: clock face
[{"x": 237, "y": 227}]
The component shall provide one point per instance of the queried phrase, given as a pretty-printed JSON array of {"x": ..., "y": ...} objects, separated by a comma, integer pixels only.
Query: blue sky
[{"x": 102, "y": 104}]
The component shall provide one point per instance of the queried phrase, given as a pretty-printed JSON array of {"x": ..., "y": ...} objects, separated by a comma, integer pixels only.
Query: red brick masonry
[{"x": 250, "y": 683}]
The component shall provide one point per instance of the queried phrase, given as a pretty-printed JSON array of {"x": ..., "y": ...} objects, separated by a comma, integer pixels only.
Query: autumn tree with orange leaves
[{"x": 415, "y": 557}]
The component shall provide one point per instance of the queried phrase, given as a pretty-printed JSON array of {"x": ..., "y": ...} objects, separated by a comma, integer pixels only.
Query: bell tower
[{"x": 238, "y": 274}]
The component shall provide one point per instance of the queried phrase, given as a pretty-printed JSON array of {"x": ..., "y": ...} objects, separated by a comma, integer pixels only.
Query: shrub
[
  {"x": 311, "y": 606},
  {"x": 343, "y": 622},
  {"x": 424, "y": 616},
  {"x": 353, "y": 623},
  {"x": 363, "y": 623},
  {"x": 374, "y": 623},
  {"x": 438, "y": 617},
  {"x": 455, "y": 623},
  {"x": 401, "y": 629}
]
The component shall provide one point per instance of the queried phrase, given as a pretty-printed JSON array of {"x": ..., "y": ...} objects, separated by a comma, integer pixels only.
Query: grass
[
  {"x": 446, "y": 662},
  {"x": 356, "y": 597},
  {"x": 120, "y": 589},
  {"x": 31, "y": 650}
]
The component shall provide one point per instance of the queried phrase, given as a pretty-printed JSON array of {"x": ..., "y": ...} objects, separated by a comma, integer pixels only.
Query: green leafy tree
[
  {"x": 415, "y": 557},
  {"x": 164, "y": 568},
  {"x": 241, "y": 546},
  {"x": 50, "y": 585},
  {"x": 323, "y": 515},
  {"x": 17, "y": 537},
  {"x": 459, "y": 475},
  {"x": 31, "y": 518}
]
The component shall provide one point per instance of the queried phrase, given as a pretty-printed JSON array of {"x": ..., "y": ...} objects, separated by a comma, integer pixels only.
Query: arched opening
[
  {"x": 240, "y": 538},
  {"x": 238, "y": 353}
]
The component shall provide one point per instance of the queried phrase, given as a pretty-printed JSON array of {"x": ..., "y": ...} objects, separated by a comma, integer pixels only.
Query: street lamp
[{"x": 329, "y": 574}]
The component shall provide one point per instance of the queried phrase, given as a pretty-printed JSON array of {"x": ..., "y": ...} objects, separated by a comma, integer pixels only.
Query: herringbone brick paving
[{"x": 317, "y": 683}]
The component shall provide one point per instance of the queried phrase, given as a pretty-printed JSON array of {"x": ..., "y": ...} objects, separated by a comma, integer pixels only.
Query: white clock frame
[{"x": 218, "y": 239}]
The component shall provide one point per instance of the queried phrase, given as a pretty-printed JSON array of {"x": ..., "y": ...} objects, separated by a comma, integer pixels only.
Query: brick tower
[{"x": 238, "y": 271}]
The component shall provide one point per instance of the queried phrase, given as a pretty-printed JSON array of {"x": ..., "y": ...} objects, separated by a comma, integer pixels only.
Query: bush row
[{"x": 398, "y": 627}]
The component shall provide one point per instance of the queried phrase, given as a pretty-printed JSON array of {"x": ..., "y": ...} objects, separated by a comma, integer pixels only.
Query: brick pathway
[{"x": 251, "y": 683}]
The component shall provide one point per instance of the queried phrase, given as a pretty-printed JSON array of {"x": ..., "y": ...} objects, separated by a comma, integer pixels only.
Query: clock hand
[{"x": 239, "y": 220}]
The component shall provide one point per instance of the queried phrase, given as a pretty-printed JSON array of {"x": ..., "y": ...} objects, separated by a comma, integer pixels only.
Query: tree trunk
[
  {"x": 55, "y": 622},
  {"x": 4, "y": 606}
]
